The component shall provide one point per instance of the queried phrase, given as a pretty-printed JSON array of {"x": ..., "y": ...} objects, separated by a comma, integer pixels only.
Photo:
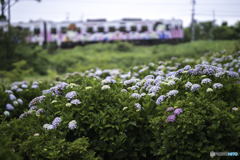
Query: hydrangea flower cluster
[
  {"x": 9, "y": 107},
  {"x": 178, "y": 111},
  {"x": 160, "y": 99},
  {"x": 195, "y": 87},
  {"x": 138, "y": 106},
  {"x": 136, "y": 95},
  {"x": 12, "y": 97},
  {"x": 170, "y": 109},
  {"x": 71, "y": 95},
  {"x": 209, "y": 90},
  {"x": 6, "y": 113},
  {"x": 171, "y": 118},
  {"x": 56, "y": 122},
  {"x": 217, "y": 86},
  {"x": 36, "y": 101},
  {"x": 25, "y": 114},
  {"x": 20, "y": 101},
  {"x": 75, "y": 101},
  {"x": 123, "y": 90},
  {"x": 188, "y": 85},
  {"x": 105, "y": 87},
  {"x": 172, "y": 93},
  {"x": 72, "y": 125},
  {"x": 206, "y": 81},
  {"x": 39, "y": 111}
]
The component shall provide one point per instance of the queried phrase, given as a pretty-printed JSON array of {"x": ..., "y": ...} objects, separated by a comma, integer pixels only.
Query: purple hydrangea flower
[
  {"x": 188, "y": 85},
  {"x": 217, "y": 86},
  {"x": 171, "y": 118},
  {"x": 20, "y": 101},
  {"x": 35, "y": 83},
  {"x": 32, "y": 108},
  {"x": 206, "y": 81},
  {"x": 8, "y": 91},
  {"x": 19, "y": 90},
  {"x": 187, "y": 67},
  {"x": 138, "y": 106},
  {"x": 209, "y": 72},
  {"x": 56, "y": 122},
  {"x": 75, "y": 101},
  {"x": 154, "y": 89},
  {"x": 134, "y": 88},
  {"x": 39, "y": 111},
  {"x": 178, "y": 111},
  {"x": 9, "y": 107},
  {"x": 148, "y": 82},
  {"x": 233, "y": 74},
  {"x": 36, "y": 101},
  {"x": 72, "y": 125},
  {"x": 170, "y": 109},
  {"x": 136, "y": 95},
  {"x": 172, "y": 93},
  {"x": 71, "y": 95},
  {"x": 25, "y": 114},
  {"x": 24, "y": 86},
  {"x": 195, "y": 87},
  {"x": 149, "y": 77},
  {"x": 160, "y": 99},
  {"x": 34, "y": 86},
  {"x": 12, "y": 97}
]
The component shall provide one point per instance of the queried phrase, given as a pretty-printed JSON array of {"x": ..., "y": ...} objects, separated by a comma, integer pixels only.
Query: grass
[{"x": 123, "y": 56}]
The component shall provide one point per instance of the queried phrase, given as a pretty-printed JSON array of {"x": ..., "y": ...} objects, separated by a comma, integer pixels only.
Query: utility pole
[
  {"x": 193, "y": 21},
  {"x": 9, "y": 16}
]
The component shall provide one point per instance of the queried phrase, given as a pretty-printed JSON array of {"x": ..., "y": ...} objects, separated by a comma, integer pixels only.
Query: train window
[
  {"x": 64, "y": 30},
  {"x": 100, "y": 29},
  {"x": 36, "y": 31},
  {"x": 133, "y": 28},
  {"x": 90, "y": 29},
  {"x": 112, "y": 29},
  {"x": 122, "y": 29},
  {"x": 79, "y": 30},
  {"x": 53, "y": 30},
  {"x": 144, "y": 29},
  {"x": 176, "y": 27},
  {"x": 168, "y": 27}
]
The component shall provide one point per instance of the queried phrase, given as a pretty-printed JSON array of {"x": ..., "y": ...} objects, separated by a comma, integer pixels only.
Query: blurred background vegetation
[{"x": 22, "y": 61}]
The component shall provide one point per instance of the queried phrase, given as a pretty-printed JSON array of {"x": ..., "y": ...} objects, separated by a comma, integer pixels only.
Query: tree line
[{"x": 210, "y": 31}]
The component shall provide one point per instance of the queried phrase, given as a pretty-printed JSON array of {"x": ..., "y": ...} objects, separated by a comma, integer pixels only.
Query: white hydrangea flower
[
  {"x": 105, "y": 87},
  {"x": 209, "y": 90}
]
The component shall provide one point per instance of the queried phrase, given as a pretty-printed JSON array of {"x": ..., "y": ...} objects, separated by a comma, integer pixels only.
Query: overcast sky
[{"x": 61, "y": 10}]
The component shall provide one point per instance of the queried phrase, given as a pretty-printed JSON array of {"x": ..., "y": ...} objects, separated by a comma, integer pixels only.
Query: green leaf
[
  {"x": 98, "y": 148},
  {"x": 125, "y": 119},
  {"x": 199, "y": 144},
  {"x": 120, "y": 154},
  {"x": 108, "y": 125},
  {"x": 109, "y": 149},
  {"x": 117, "y": 127},
  {"x": 218, "y": 136},
  {"x": 133, "y": 123}
]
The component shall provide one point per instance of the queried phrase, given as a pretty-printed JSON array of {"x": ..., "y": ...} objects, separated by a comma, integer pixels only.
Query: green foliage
[
  {"x": 17, "y": 74},
  {"x": 6, "y": 152}
]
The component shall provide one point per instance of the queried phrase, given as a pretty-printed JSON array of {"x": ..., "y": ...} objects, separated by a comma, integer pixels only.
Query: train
[{"x": 72, "y": 33}]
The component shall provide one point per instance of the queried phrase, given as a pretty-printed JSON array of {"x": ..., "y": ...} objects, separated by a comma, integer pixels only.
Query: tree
[
  {"x": 6, "y": 5},
  {"x": 3, "y": 6}
]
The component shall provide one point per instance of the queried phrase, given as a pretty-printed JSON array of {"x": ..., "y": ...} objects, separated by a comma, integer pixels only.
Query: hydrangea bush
[{"x": 178, "y": 109}]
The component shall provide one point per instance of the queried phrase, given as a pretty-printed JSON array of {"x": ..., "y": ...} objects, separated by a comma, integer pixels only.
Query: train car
[{"x": 70, "y": 33}]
